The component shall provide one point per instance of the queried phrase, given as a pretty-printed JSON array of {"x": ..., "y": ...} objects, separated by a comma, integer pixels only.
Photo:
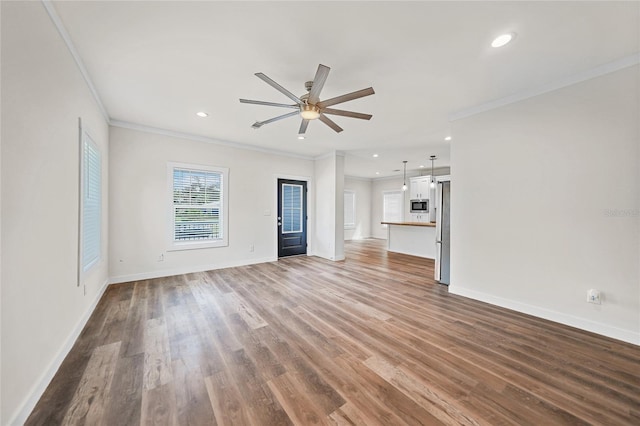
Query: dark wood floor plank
[
  {"x": 159, "y": 406},
  {"x": 88, "y": 403},
  {"x": 371, "y": 340},
  {"x": 124, "y": 403},
  {"x": 193, "y": 406},
  {"x": 226, "y": 401},
  {"x": 437, "y": 404},
  {"x": 157, "y": 355},
  {"x": 299, "y": 408}
]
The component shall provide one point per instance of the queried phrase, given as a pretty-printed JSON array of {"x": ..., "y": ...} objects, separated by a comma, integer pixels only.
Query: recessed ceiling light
[
  {"x": 202, "y": 114},
  {"x": 421, "y": 166},
  {"x": 300, "y": 137},
  {"x": 375, "y": 155},
  {"x": 503, "y": 39},
  {"x": 448, "y": 138},
  {"x": 377, "y": 173}
]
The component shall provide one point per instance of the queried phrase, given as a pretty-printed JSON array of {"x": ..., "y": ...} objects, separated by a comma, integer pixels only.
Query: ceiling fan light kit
[
  {"x": 309, "y": 112},
  {"x": 309, "y": 106}
]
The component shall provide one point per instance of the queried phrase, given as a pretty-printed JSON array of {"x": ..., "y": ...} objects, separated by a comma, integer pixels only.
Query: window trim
[
  {"x": 349, "y": 226},
  {"x": 86, "y": 135},
  {"x": 173, "y": 245}
]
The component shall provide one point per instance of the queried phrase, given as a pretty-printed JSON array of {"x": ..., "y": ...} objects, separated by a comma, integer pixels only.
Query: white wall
[
  {"x": 362, "y": 189},
  {"x": 139, "y": 213},
  {"x": 545, "y": 205},
  {"x": 329, "y": 177},
  {"x": 43, "y": 309}
]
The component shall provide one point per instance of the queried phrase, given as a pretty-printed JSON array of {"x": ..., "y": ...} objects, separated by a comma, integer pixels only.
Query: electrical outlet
[
  {"x": 161, "y": 258},
  {"x": 593, "y": 296},
  {"x": 251, "y": 248}
]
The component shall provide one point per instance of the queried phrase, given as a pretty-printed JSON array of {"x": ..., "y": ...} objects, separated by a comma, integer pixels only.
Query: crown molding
[
  {"x": 51, "y": 11},
  {"x": 198, "y": 138},
  {"x": 330, "y": 154},
  {"x": 625, "y": 62},
  {"x": 392, "y": 177},
  {"x": 363, "y": 179}
]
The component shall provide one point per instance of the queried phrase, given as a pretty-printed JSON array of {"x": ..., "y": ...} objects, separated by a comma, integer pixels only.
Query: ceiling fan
[{"x": 309, "y": 106}]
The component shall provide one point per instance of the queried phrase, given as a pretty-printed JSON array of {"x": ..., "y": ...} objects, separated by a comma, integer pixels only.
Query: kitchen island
[{"x": 414, "y": 238}]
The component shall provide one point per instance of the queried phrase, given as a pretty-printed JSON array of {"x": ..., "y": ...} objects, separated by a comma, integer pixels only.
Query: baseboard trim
[
  {"x": 186, "y": 270},
  {"x": 38, "y": 389},
  {"x": 410, "y": 254},
  {"x": 624, "y": 335}
]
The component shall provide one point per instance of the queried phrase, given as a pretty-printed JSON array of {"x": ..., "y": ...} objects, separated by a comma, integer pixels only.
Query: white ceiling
[{"x": 158, "y": 63}]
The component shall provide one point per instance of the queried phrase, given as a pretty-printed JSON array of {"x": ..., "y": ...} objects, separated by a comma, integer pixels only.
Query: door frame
[
  {"x": 439, "y": 180},
  {"x": 310, "y": 212}
]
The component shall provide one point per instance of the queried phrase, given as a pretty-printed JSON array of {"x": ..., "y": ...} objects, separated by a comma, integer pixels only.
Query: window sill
[{"x": 193, "y": 245}]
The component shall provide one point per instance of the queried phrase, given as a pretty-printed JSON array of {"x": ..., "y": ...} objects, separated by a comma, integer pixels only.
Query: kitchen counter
[
  {"x": 414, "y": 238},
  {"x": 429, "y": 224}
]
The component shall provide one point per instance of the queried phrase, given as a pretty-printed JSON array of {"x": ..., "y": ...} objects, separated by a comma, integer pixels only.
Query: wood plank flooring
[{"x": 306, "y": 341}]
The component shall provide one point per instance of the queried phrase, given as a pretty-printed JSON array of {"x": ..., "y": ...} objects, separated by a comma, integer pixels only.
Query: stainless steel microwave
[{"x": 419, "y": 206}]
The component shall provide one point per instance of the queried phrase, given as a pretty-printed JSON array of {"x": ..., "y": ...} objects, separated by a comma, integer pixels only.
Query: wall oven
[{"x": 419, "y": 206}]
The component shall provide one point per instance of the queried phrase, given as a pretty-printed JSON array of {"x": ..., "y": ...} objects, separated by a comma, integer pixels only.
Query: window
[
  {"x": 90, "y": 202},
  {"x": 198, "y": 206},
  {"x": 392, "y": 210},
  {"x": 349, "y": 209},
  {"x": 291, "y": 208}
]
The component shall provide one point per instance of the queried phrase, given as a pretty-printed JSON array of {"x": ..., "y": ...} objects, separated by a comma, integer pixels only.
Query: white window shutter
[{"x": 91, "y": 203}]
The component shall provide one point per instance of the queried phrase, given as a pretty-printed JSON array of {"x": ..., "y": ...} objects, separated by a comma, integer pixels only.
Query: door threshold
[{"x": 292, "y": 255}]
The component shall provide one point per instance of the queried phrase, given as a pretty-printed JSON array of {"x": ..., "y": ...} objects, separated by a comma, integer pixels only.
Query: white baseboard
[
  {"x": 628, "y": 336},
  {"x": 34, "y": 395},
  {"x": 410, "y": 254},
  {"x": 187, "y": 270}
]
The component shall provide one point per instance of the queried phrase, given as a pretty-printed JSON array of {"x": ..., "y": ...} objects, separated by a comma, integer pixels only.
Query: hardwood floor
[{"x": 368, "y": 341}]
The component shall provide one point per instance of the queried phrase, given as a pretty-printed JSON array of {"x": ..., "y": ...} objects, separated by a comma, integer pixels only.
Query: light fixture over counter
[
  {"x": 433, "y": 178},
  {"x": 404, "y": 179}
]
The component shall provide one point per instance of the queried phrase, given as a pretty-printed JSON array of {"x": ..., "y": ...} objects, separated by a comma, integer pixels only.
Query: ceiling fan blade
[
  {"x": 259, "y": 124},
  {"x": 249, "y": 101},
  {"x": 318, "y": 83},
  {"x": 347, "y": 113},
  {"x": 348, "y": 97},
  {"x": 303, "y": 127},
  {"x": 326, "y": 120},
  {"x": 279, "y": 88}
]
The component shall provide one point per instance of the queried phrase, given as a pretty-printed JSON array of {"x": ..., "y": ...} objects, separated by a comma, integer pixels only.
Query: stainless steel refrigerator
[{"x": 443, "y": 232}]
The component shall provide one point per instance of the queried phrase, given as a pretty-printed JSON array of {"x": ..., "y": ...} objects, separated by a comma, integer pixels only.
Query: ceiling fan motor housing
[{"x": 308, "y": 85}]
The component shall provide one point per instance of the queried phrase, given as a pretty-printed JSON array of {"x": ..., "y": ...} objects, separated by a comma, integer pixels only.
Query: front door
[{"x": 292, "y": 217}]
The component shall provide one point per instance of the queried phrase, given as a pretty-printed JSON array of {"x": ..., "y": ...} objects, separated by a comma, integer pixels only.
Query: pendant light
[
  {"x": 433, "y": 179},
  {"x": 404, "y": 179}
]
